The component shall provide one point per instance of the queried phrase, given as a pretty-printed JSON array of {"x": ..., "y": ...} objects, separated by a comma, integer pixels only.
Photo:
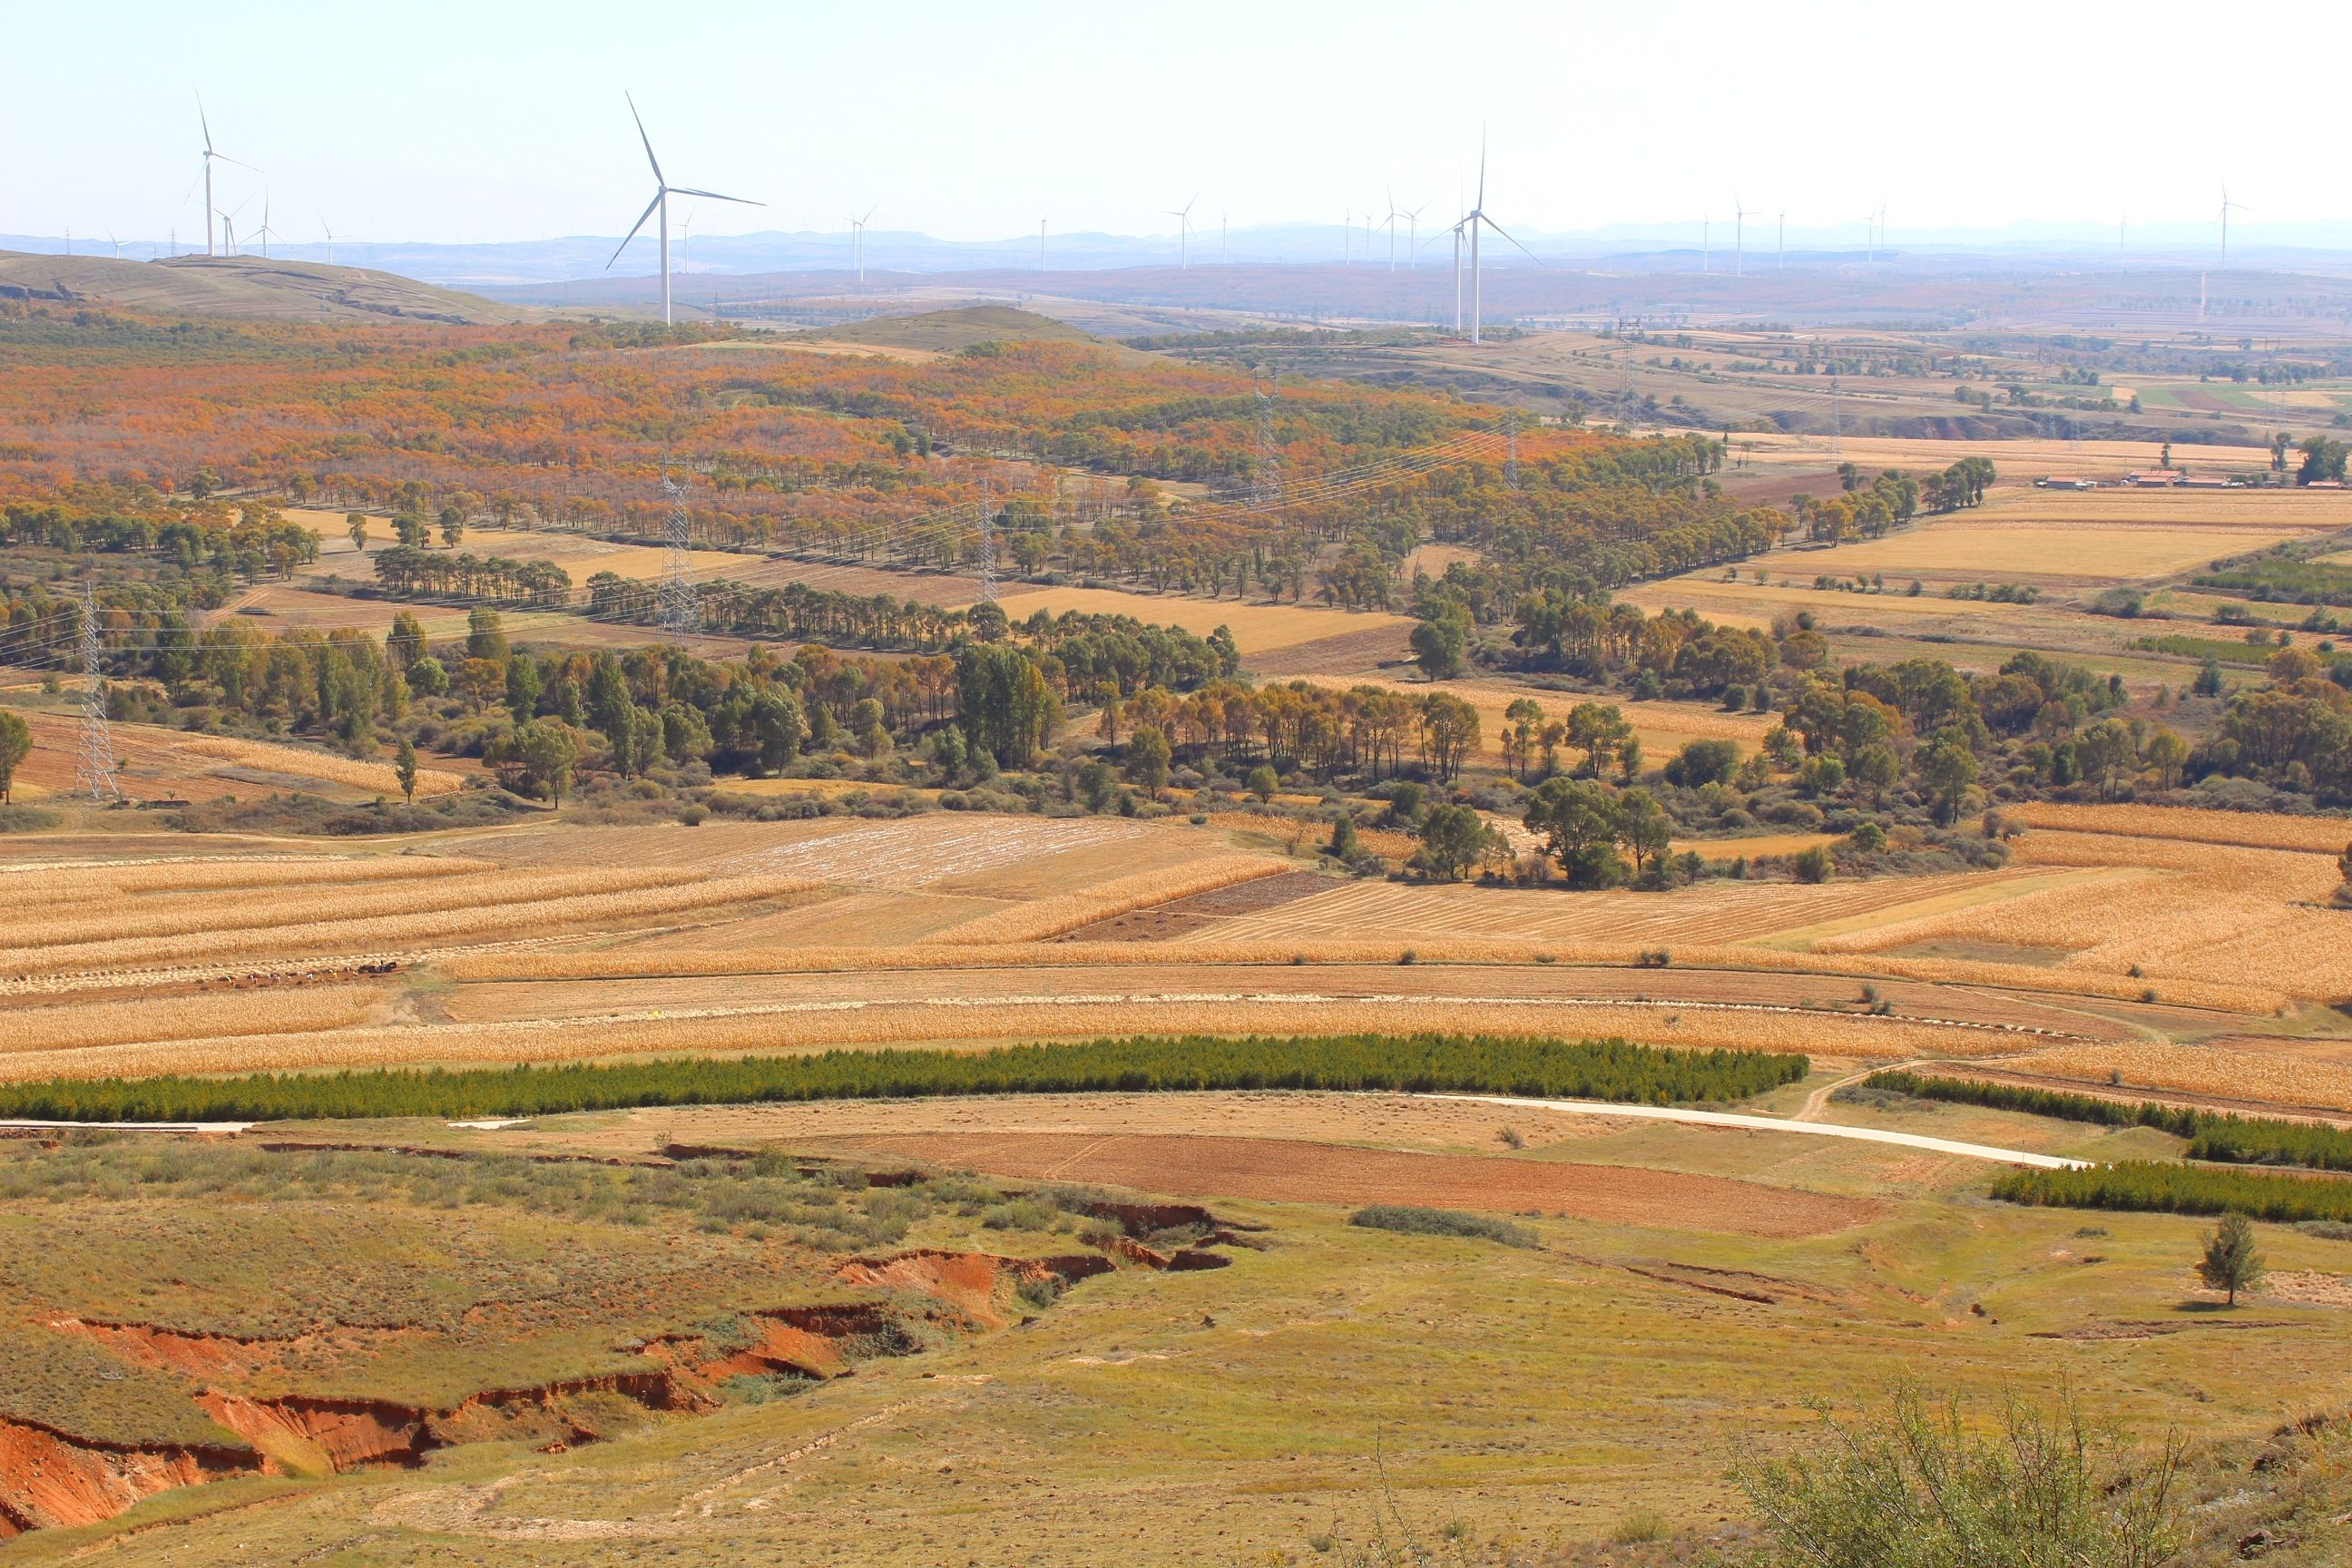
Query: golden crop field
[
  {"x": 2195, "y": 1069},
  {"x": 2168, "y": 910},
  {"x": 76, "y": 1025}
]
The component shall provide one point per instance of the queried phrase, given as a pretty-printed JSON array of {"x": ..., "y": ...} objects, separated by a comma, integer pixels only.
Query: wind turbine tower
[
  {"x": 2226, "y": 204},
  {"x": 1183, "y": 216},
  {"x": 1474, "y": 220},
  {"x": 210, "y": 158},
  {"x": 663, "y": 190},
  {"x": 1738, "y": 238}
]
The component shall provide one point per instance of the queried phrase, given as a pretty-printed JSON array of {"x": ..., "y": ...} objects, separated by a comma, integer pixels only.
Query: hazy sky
[{"x": 499, "y": 120}]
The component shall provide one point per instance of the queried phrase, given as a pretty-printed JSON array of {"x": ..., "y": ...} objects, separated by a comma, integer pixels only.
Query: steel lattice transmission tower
[
  {"x": 678, "y": 611},
  {"x": 1837, "y": 422},
  {"x": 987, "y": 545},
  {"x": 1265, "y": 493},
  {"x": 94, "y": 761}
]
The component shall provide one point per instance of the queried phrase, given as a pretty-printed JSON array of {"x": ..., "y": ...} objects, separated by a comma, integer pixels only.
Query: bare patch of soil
[
  {"x": 1286, "y": 1170},
  {"x": 1181, "y": 917}
]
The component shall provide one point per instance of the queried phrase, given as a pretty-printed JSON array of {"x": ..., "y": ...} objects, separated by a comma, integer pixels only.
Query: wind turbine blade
[
  {"x": 1505, "y": 233},
  {"x": 248, "y": 167},
  {"x": 714, "y": 195},
  {"x": 634, "y": 227},
  {"x": 208, "y": 124},
  {"x": 646, "y": 140},
  {"x": 870, "y": 214}
]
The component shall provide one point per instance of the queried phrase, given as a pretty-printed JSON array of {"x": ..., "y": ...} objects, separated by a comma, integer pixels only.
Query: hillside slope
[{"x": 240, "y": 286}]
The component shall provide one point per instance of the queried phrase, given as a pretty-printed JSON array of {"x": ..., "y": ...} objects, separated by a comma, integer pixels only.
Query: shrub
[
  {"x": 1812, "y": 865},
  {"x": 1441, "y": 1222},
  {"x": 1918, "y": 1485}
]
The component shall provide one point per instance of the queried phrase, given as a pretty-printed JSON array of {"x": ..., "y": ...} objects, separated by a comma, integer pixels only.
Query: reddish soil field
[{"x": 1279, "y": 1169}]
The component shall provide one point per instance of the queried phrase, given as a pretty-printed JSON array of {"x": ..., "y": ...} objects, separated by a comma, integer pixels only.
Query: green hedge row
[
  {"x": 1584, "y": 1069},
  {"x": 2167, "y": 1188},
  {"x": 2212, "y": 1135}
]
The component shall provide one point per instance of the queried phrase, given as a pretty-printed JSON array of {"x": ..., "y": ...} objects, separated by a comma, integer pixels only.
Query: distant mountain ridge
[{"x": 1663, "y": 247}]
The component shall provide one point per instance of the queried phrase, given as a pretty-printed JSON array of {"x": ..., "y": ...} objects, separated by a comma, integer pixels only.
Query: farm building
[
  {"x": 2154, "y": 478},
  {"x": 2066, "y": 482}
]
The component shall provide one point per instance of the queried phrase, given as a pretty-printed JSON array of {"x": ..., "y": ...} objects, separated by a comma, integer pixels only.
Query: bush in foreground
[
  {"x": 1610, "y": 1069},
  {"x": 1915, "y": 1484},
  {"x": 1441, "y": 1222}
]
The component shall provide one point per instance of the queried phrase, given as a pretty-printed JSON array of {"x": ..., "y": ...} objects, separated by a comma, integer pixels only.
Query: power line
[
  {"x": 679, "y": 617},
  {"x": 94, "y": 761}
]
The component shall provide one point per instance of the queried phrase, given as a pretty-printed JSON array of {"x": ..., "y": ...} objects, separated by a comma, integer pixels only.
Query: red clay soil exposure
[
  {"x": 1280, "y": 1170},
  {"x": 50, "y": 1479}
]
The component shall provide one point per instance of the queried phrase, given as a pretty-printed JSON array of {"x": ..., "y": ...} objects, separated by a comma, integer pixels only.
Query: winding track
[{"x": 1781, "y": 1124}]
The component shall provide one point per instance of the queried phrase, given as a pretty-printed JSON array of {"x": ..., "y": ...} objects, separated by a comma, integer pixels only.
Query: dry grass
[
  {"x": 290, "y": 1010},
  {"x": 2197, "y": 1070},
  {"x": 264, "y": 757},
  {"x": 366, "y": 934},
  {"x": 1042, "y": 917}
]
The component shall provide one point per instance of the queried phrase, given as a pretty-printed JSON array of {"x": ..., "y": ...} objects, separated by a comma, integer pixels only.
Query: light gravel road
[{"x": 1779, "y": 1124}]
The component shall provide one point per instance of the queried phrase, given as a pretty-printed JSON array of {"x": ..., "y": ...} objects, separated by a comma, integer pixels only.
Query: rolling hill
[{"x": 240, "y": 286}]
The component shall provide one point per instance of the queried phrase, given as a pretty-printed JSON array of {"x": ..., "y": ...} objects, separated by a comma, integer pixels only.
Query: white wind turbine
[
  {"x": 1738, "y": 238},
  {"x": 1413, "y": 236},
  {"x": 1183, "y": 216},
  {"x": 1784, "y": 241},
  {"x": 1474, "y": 220},
  {"x": 858, "y": 242},
  {"x": 267, "y": 233},
  {"x": 663, "y": 190},
  {"x": 331, "y": 238},
  {"x": 2226, "y": 204},
  {"x": 210, "y": 157}
]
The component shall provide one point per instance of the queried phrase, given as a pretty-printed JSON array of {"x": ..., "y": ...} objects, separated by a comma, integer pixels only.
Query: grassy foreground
[{"x": 1611, "y": 1069}]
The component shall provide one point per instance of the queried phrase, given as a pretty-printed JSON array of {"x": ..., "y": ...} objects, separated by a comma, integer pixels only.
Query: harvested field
[
  {"x": 1347, "y": 653},
  {"x": 1286, "y": 1171},
  {"x": 2167, "y": 910},
  {"x": 1257, "y": 629},
  {"x": 2249, "y": 830},
  {"x": 918, "y": 852},
  {"x": 811, "y": 1024},
  {"x": 2249, "y": 1076},
  {"x": 72, "y": 1025},
  {"x": 164, "y": 765},
  {"x": 1039, "y": 919},
  {"x": 524, "y": 904},
  {"x": 1709, "y": 914},
  {"x": 1199, "y": 911},
  {"x": 2021, "y": 459}
]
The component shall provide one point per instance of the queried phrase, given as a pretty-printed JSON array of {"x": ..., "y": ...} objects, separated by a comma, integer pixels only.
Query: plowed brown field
[{"x": 1286, "y": 1171}]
